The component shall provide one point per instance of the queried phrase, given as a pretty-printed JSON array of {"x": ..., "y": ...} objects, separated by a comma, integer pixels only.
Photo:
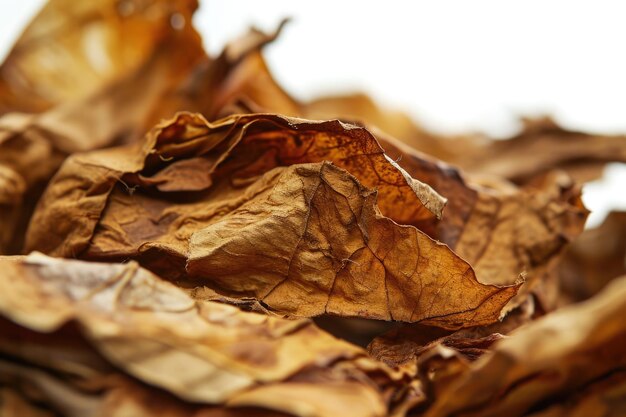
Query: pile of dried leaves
[{"x": 177, "y": 272}]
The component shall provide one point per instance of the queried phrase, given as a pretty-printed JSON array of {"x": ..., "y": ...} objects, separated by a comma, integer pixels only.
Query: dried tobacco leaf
[
  {"x": 404, "y": 346},
  {"x": 542, "y": 361},
  {"x": 119, "y": 397},
  {"x": 112, "y": 109},
  {"x": 214, "y": 205},
  {"x": 71, "y": 49},
  {"x": 200, "y": 351},
  {"x": 286, "y": 217},
  {"x": 595, "y": 258},
  {"x": 62, "y": 372},
  {"x": 603, "y": 398},
  {"x": 503, "y": 231},
  {"x": 478, "y": 223},
  {"x": 527, "y": 244}
]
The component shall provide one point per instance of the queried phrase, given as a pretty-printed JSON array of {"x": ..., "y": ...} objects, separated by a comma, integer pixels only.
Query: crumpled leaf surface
[
  {"x": 525, "y": 245},
  {"x": 283, "y": 217},
  {"x": 200, "y": 351},
  {"x": 404, "y": 346},
  {"x": 302, "y": 239},
  {"x": 505, "y": 232},
  {"x": 90, "y": 101},
  {"x": 605, "y": 397},
  {"x": 571, "y": 348},
  {"x": 477, "y": 224}
]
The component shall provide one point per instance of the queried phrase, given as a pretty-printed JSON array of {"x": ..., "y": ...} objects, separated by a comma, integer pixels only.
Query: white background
[{"x": 455, "y": 65}]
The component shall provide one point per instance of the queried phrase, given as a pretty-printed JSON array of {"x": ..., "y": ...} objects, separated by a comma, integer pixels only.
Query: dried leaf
[
  {"x": 112, "y": 109},
  {"x": 287, "y": 218},
  {"x": 198, "y": 350},
  {"x": 404, "y": 346},
  {"x": 528, "y": 244},
  {"x": 303, "y": 240},
  {"x": 503, "y": 231},
  {"x": 603, "y": 398},
  {"x": 85, "y": 45},
  {"x": 117, "y": 396},
  {"x": 570, "y": 348},
  {"x": 595, "y": 258}
]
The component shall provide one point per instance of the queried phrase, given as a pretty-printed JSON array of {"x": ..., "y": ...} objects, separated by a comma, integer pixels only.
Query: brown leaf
[
  {"x": 503, "y": 231},
  {"x": 113, "y": 108},
  {"x": 323, "y": 260},
  {"x": 570, "y": 348},
  {"x": 361, "y": 109},
  {"x": 116, "y": 396},
  {"x": 603, "y": 398},
  {"x": 526, "y": 245},
  {"x": 198, "y": 350},
  {"x": 478, "y": 223},
  {"x": 85, "y": 45},
  {"x": 303, "y": 240},
  {"x": 289, "y": 218},
  {"x": 404, "y": 346},
  {"x": 594, "y": 258}
]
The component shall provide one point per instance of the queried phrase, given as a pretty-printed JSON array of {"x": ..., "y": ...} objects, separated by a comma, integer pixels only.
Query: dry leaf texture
[
  {"x": 248, "y": 206},
  {"x": 107, "y": 65},
  {"x": 199, "y": 351},
  {"x": 570, "y": 348}
]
